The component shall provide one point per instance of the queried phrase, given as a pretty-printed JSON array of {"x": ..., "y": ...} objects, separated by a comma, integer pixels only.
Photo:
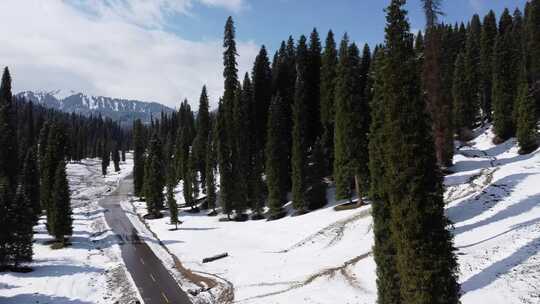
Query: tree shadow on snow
[
  {"x": 497, "y": 269},
  {"x": 483, "y": 201},
  {"x": 513, "y": 228},
  {"x": 40, "y": 271},
  {"x": 513, "y": 210}
]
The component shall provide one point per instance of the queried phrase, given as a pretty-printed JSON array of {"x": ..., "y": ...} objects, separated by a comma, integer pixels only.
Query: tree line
[
  {"x": 35, "y": 145},
  {"x": 378, "y": 123}
]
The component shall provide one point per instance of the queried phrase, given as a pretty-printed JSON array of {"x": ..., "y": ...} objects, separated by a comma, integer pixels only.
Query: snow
[
  {"x": 91, "y": 269},
  {"x": 61, "y": 94},
  {"x": 325, "y": 256}
]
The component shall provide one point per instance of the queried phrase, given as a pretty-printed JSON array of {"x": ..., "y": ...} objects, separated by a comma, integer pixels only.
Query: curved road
[{"x": 154, "y": 282}]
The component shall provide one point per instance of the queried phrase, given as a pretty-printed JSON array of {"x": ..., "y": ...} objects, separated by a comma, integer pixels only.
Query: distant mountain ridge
[{"x": 122, "y": 110}]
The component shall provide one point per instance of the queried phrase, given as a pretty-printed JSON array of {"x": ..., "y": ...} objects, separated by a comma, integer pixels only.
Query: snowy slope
[
  {"x": 89, "y": 271},
  {"x": 324, "y": 256}
]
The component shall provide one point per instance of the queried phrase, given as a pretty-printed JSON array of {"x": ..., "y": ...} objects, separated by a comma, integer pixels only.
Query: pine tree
[
  {"x": 384, "y": 250},
  {"x": 228, "y": 146},
  {"x": 105, "y": 158},
  {"x": 153, "y": 179},
  {"x": 30, "y": 183},
  {"x": 504, "y": 81},
  {"x": 210, "y": 175},
  {"x": 275, "y": 156},
  {"x": 526, "y": 118},
  {"x": 361, "y": 118},
  {"x": 138, "y": 157},
  {"x": 9, "y": 165},
  {"x": 438, "y": 104},
  {"x": 487, "y": 43},
  {"x": 300, "y": 128},
  {"x": 116, "y": 158},
  {"x": 203, "y": 129},
  {"x": 313, "y": 88},
  {"x": 171, "y": 202},
  {"x": 225, "y": 168},
  {"x": 61, "y": 209},
  {"x": 424, "y": 252},
  {"x": 328, "y": 80},
  {"x": 54, "y": 157},
  {"x": 244, "y": 148},
  {"x": 24, "y": 218},
  {"x": 262, "y": 93},
  {"x": 461, "y": 92},
  {"x": 533, "y": 43},
  {"x": 351, "y": 121}
]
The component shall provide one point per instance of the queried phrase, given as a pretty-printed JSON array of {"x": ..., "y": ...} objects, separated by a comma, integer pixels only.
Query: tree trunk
[{"x": 358, "y": 191}]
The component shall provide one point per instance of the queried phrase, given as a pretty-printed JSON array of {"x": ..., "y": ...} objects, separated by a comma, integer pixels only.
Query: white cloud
[
  {"x": 232, "y": 5},
  {"x": 52, "y": 44}
]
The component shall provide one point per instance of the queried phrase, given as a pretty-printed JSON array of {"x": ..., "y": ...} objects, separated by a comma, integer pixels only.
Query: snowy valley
[{"x": 91, "y": 269}]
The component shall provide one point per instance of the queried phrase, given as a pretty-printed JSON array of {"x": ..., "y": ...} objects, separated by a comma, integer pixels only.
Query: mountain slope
[{"x": 122, "y": 110}]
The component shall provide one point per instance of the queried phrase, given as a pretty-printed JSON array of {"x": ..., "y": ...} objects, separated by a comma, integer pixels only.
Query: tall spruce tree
[
  {"x": 154, "y": 178},
  {"x": 61, "y": 209},
  {"x": 328, "y": 82},
  {"x": 300, "y": 128},
  {"x": 138, "y": 157},
  {"x": 9, "y": 165},
  {"x": 116, "y": 158},
  {"x": 244, "y": 147},
  {"x": 105, "y": 158},
  {"x": 30, "y": 183},
  {"x": 487, "y": 43},
  {"x": 504, "y": 81},
  {"x": 203, "y": 129},
  {"x": 275, "y": 156},
  {"x": 262, "y": 93},
  {"x": 533, "y": 44},
  {"x": 171, "y": 201},
  {"x": 228, "y": 154},
  {"x": 527, "y": 128},
  {"x": 384, "y": 250},
  {"x": 313, "y": 88},
  {"x": 350, "y": 140},
  {"x": 425, "y": 260},
  {"x": 54, "y": 157},
  {"x": 438, "y": 103},
  {"x": 24, "y": 218},
  {"x": 362, "y": 120},
  {"x": 225, "y": 166}
]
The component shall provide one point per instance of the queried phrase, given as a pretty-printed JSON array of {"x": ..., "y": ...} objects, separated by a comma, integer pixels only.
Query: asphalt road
[{"x": 154, "y": 282}]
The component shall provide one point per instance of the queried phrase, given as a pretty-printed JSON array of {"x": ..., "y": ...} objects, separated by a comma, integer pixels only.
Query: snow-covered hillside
[
  {"x": 122, "y": 110},
  {"x": 325, "y": 256},
  {"x": 91, "y": 269}
]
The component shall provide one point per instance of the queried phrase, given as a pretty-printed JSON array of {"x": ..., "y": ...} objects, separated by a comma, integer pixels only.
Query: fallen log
[{"x": 216, "y": 257}]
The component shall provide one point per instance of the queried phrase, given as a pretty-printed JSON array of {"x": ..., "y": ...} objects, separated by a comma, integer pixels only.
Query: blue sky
[
  {"x": 270, "y": 21},
  {"x": 166, "y": 50}
]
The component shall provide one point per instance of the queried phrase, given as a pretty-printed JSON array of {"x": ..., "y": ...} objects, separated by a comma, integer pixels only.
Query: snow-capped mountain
[{"x": 122, "y": 110}]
